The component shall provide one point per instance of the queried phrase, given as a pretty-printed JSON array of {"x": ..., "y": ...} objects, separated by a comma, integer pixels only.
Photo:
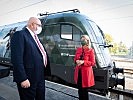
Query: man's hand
[{"x": 25, "y": 84}]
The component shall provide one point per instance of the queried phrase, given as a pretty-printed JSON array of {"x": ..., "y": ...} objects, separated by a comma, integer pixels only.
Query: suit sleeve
[
  {"x": 17, "y": 53},
  {"x": 90, "y": 61}
]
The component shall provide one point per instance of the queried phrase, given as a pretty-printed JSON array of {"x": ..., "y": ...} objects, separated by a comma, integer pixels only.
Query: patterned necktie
[{"x": 41, "y": 49}]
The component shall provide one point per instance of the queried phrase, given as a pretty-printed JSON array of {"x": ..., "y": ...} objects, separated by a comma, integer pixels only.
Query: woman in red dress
[{"x": 85, "y": 60}]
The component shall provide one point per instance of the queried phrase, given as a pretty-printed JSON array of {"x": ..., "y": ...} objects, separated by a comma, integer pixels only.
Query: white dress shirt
[{"x": 43, "y": 54}]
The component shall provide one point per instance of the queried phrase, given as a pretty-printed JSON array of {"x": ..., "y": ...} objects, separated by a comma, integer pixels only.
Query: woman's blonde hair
[{"x": 88, "y": 39}]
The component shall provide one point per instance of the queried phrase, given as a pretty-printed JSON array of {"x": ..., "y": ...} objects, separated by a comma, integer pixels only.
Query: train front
[{"x": 105, "y": 71}]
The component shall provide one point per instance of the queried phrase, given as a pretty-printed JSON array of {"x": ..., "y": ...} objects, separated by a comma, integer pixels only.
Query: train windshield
[
  {"x": 98, "y": 42},
  {"x": 6, "y": 34}
]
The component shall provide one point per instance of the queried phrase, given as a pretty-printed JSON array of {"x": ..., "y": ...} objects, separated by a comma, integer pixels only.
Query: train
[{"x": 61, "y": 32}]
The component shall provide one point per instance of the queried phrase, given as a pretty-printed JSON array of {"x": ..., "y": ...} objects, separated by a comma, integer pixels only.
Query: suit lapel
[{"x": 31, "y": 38}]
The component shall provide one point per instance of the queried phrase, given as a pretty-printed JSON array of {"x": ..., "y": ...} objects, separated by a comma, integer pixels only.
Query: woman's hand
[{"x": 79, "y": 62}]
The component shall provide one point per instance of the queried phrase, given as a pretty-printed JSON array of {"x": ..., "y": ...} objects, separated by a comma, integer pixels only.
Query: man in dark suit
[{"x": 29, "y": 61}]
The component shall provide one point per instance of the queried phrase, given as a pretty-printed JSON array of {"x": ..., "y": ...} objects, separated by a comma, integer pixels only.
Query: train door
[
  {"x": 50, "y": 38},
  {"x": 70, "y": 35},
  {"x": 59, "y": 40}
]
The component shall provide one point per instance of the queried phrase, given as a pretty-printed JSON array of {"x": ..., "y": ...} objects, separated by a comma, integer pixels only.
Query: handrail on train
[{"x": 47, "y": 13}]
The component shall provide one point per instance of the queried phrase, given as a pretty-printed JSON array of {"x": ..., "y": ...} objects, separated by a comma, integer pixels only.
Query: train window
[
  {"x": 99, "y": 35},
  {"x": 21, "y": 25},
  {"x": 98, "y": 39},
  {"x": 76, "y": 34},
  {"x": 1, "y": 29},
  {"x": 54, "y": 42},
  {"x": 5, "y": 42},
  {"x": 51, "y": 33},
  {"x": 102, "y": 53},
  {"x": 66, "y": 31},
  {"x": 4, "y": 32}
]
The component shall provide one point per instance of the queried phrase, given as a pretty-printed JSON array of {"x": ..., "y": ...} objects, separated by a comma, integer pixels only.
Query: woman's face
[{"x": 84, "y": 41}]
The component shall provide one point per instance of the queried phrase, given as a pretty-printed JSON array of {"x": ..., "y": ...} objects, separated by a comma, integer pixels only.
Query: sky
[{"x": 114, "y": 17}]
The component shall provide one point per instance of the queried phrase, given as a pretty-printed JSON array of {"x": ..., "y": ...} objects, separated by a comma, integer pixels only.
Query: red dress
[{"x": 86, "y": 68}]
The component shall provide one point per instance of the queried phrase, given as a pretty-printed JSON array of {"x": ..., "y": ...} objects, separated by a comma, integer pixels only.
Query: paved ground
[
  {"x": 8, "y": 91},
  {"x": 54, "y": 91}
]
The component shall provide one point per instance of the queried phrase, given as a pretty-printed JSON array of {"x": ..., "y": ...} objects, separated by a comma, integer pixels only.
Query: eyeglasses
[{"x": 38, "y": 24}]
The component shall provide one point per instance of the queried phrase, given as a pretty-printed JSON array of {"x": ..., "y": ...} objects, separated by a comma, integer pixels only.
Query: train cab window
[
  {"x": 4, "y": 32},
  {"x": 50, "y": 36},
  {"x": 5, "y": 42},
  {"x": 51, "y": 33},
  {"x": 20, "y": 26},
  {"x": 66, "y": 31},
  {"x": 76, "y": 34},
  {"x": 101, "y": 52},
  {"x": 99, "y": 35}
]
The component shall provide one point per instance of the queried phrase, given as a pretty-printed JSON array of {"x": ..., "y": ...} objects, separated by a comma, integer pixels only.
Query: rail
[
  {"x": 118, "y": 60},
  {"x": 117, "y": 92},
  {"x": 129, "y": 71}
]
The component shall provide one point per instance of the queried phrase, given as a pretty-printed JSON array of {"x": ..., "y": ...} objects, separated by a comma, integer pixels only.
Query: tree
[
  {"x": 118, "y": 48},
  {"x": 114, "y": 50},
  {"x": 108, "y": 39},
  {"x": 122, "y": 48}
]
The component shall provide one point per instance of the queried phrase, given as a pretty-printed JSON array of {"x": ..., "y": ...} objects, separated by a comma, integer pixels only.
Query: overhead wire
[
  {"x": 22, "y": 8},
  {"x": 117, "y": 18},
  {"x": 99, "y": 10},
  {"x": 111, "y": 8},
  {"x": 102, "y": 7}
]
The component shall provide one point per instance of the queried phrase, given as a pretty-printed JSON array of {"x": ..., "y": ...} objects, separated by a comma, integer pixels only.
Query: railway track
[
  {"x": 129, "y": 61},
  {"x": 127, "y": 66},
  {"x": 128, "y": 71},
  {"x": 120, "y": 94}
]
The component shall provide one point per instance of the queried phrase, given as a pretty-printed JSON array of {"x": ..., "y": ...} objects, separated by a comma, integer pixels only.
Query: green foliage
[
  {"x": 108, "y": 39},
  {"x": 114, "y": 49},
  {"x": 118, "y": 48}
]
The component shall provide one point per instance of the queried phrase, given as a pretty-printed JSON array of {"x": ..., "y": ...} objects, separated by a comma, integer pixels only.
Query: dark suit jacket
[{"x": 26, "y": 58}]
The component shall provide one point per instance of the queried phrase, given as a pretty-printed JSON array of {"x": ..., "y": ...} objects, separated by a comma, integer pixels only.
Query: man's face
[{"x": 36, "y": 25}]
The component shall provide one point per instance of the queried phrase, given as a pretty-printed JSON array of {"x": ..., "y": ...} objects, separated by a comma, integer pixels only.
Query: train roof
[
  {"x": 72, "y": 17},
  {"x": 69, "y": 16}
]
